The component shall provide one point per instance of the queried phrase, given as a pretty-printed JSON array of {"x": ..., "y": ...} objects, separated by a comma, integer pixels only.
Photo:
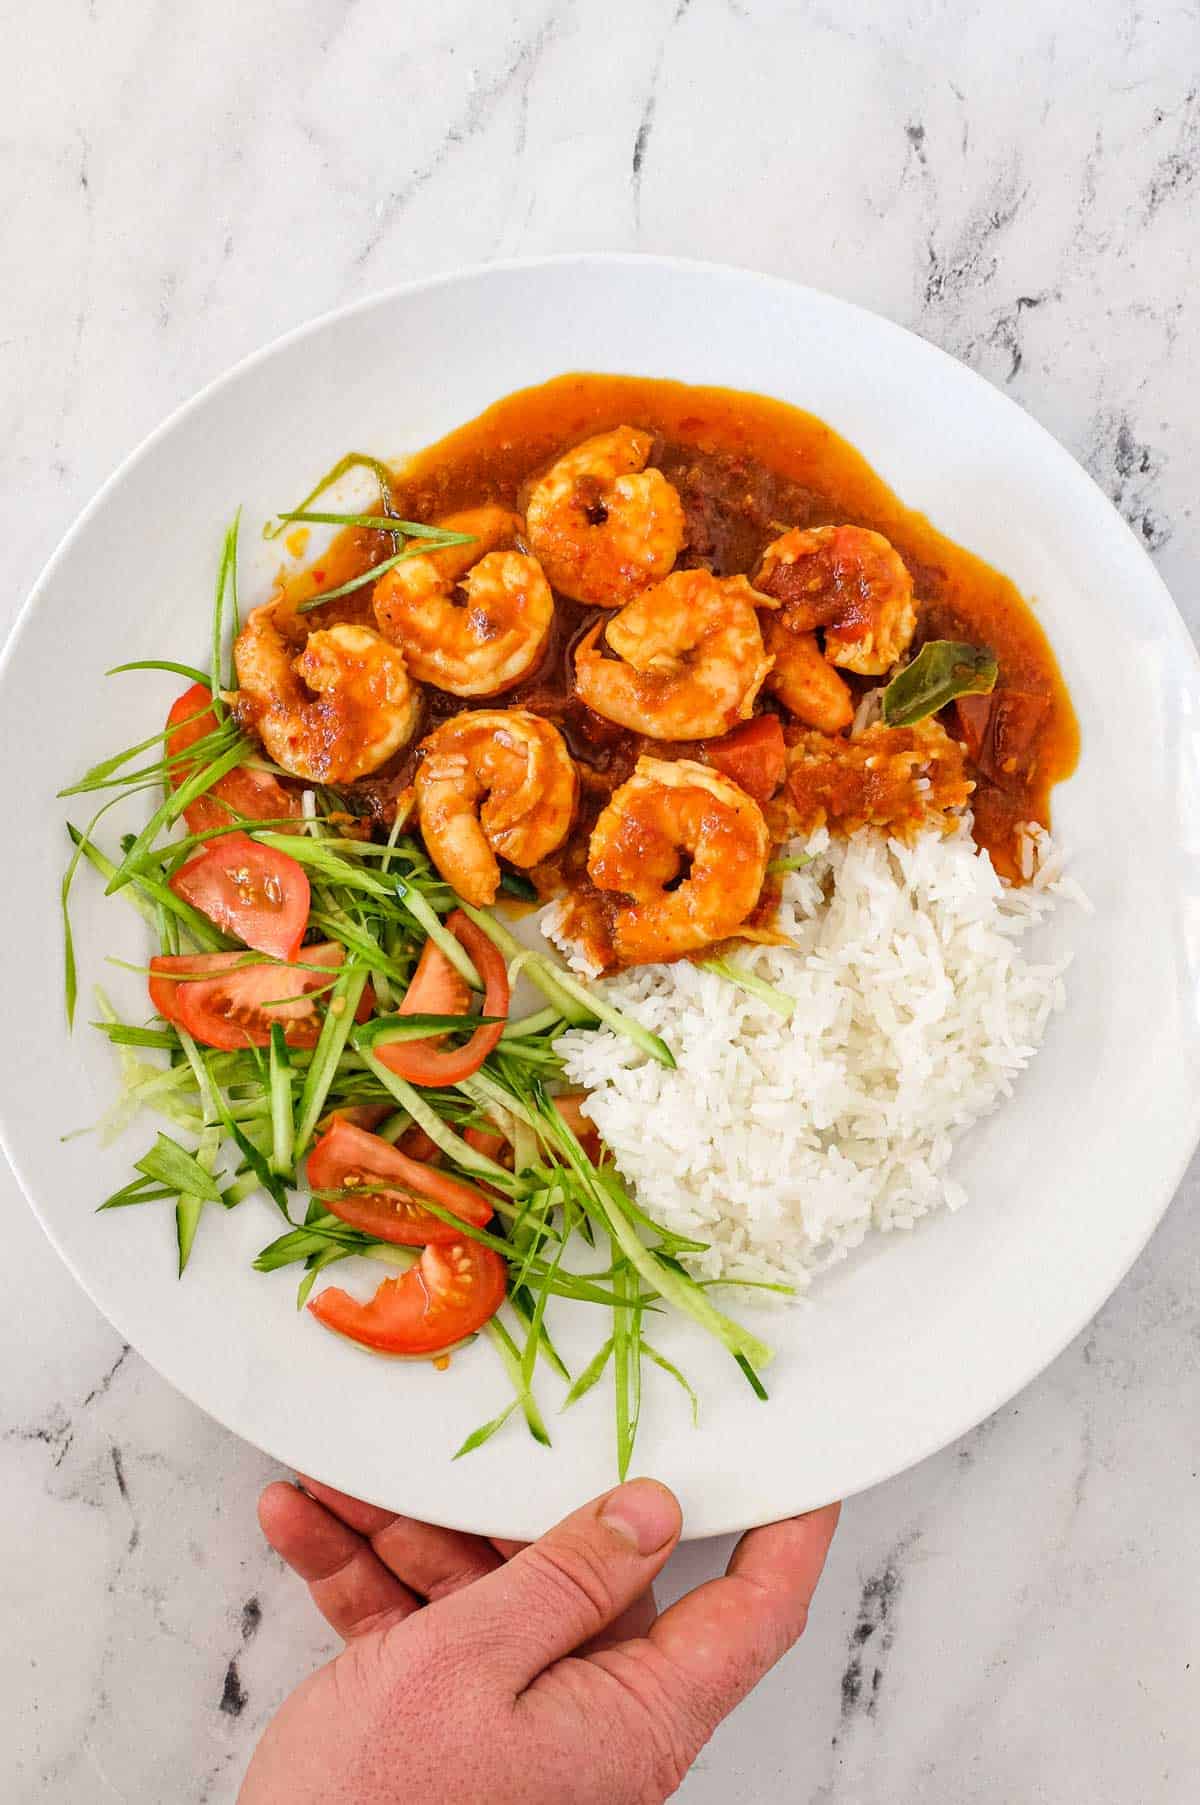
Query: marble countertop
[{"x": 1016, "y": 1618}]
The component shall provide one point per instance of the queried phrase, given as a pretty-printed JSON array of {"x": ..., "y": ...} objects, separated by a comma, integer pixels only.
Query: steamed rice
[{"x": 779, "y": 1142}]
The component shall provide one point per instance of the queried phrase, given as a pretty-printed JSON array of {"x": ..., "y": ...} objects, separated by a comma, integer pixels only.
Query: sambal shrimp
[
  {"x": 601, "y": 523},
  {"x": 689, "y": 662},
  {"x": 472, "y": 619},
  {"x": 848, "y": 581},
  {"x": 335, "y": 711},
  {"x": 684, "y": 852},
  {"x": 492, "y": 784}
]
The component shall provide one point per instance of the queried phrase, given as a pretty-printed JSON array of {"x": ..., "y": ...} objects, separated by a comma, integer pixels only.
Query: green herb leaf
[
  {"x": 669, "y": 1367},
  {"x": 941, "y": 670},
  {"x": 353, "y": 460},
  {"x": 173, "y": 1165},
  {"x": 187, "y": 1220},
  {"x": 591, "y": 1375},
  {"x": 160, "y": 664},
  {"x": 485, "y": 1431},
  {"x": 778, "y": 1000},
  {"x": 441, "y": 543}
]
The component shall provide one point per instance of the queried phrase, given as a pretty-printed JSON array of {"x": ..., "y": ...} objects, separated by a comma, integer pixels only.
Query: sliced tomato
[
  {"x": 362, "y": 1115},
  {"x": 393, "y": 1212},
  {"x": 255, "y": 794},
  {"x": 753, "y": 755},
  {"x": 571, "y": 1107},
  {"x": 453, "y": 1289},
  {"x": 252, "y": 891},
  {"x": 974, "y": 715},
  {"x": 436, "y": 988},
  {"x": 424, "y": 1061},
  {"x": 492, "y": 1146},
  {"x": 999, "y": 732},
  {"x": 226, "y": 1004}
]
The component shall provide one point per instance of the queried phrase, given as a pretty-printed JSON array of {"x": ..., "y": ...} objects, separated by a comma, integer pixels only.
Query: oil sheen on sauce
[{"x": 747, "y": 467}]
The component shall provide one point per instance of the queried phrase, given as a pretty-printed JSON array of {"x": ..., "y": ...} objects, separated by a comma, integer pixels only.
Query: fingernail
[{"x": 644, "y": 1512}]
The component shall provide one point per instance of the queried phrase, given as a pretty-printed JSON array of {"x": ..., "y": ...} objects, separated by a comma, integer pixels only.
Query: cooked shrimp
[
  {"x": 474, "y": 618},
  {"x": 602, "y": 524},
  {"x": 337, "y": 711},
  {"x": 493, "y": 781},
  {"x": 673, "y": 821},
  {"x": 849, "y": 581},
  {"x": 690, "y": 658},
  {"x": 806, "y": 684}
]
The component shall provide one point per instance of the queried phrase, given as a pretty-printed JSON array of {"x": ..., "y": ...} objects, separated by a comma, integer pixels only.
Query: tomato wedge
[
  {"x": 435, "y": 984},
  {"x": 453, "y": 1289},
  {"x": 572, "y": 1107},
  {"x": 249, "y": 890},
  {"x": 753, "y": 755},
  {"x": 252, "y": 793},
  {"x": 232, "y": 1006},
  {"x": 393, "y": 1212}
]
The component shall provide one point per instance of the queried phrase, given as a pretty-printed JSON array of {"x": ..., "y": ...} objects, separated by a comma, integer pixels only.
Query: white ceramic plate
[{"x": 907, "y": 1345}]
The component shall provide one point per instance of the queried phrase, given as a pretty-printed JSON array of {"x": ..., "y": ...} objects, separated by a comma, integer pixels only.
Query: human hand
[{"x": 482, "y": 1670}]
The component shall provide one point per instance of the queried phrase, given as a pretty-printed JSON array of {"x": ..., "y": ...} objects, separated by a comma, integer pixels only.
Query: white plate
[{"x": 907, "y": 1345}]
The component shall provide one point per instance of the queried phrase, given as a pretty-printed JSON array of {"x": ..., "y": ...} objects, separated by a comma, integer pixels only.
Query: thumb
[{"x": 564, "y": 1589}]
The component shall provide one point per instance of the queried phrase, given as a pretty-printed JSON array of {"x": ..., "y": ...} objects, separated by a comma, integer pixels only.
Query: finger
[
  {"x": 633, "y": 1623},
  {"x": 367, "y": 1519},
  {"x": 429, "y": 1560},
  {"x": 719, "y": 1641},
  {"x": 434, "y": 1562},
  {"x": 347, "y": 1581},
  {"x": 566, "y": 1588}
]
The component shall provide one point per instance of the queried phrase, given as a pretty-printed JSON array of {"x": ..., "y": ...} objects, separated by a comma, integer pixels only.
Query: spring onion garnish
[
  {"x": 941, "y": 670},
  {"x": 442, "y": 542},
  {"x": 741, "y": 979},
  {"x": 353, "y": 460}
]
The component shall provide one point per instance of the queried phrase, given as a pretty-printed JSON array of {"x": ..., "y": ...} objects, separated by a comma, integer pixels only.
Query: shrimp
[
  {"x": 602, "y": 524},
  {"x": 849, "y": 581},
  {"x": 690, "y": 658},
  {"x": 493, "y": 781},
  {"x": 472, "y": 619},
  {"x": 806, "y": 684},
  {"x": 337, "y": 711},
  {"x": 671, "y": 819}
]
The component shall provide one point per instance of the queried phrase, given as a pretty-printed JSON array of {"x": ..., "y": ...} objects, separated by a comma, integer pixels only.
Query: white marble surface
[{"x": 1016, "y": 1619}]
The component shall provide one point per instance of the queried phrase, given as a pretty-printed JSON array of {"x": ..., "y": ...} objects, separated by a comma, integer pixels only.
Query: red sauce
[{"x": 746, "y": 468}]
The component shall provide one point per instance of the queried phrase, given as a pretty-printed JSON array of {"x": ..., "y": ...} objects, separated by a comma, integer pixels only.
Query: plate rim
[{"x": 1169, "y": 614}]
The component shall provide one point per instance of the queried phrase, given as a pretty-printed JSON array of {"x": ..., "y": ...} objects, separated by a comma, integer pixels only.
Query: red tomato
[
  {"x": 255, "y": 794},
  {"x": 235, "y": 1007},
  {"x": 570, "y": 1106},
  {"x": 436, "y": 988},
  {"x": 348, "y": 1156},
  {"x": 436, "y": 982},
  {"x": 753, "y": 755},
  {"x": 249, "y": 890},
  {"x": 451, "y": 1291}
]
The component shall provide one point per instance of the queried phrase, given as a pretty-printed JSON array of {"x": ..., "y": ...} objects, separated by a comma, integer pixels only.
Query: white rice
[{"x": 779, "y": 1142}]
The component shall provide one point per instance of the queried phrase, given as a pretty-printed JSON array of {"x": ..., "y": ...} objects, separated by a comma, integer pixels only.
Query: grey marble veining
[{"x": 1015, "y": 1619}]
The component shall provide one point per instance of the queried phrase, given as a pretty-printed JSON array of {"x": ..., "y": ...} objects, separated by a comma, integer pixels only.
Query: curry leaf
[{"x": 942, "y": 670}]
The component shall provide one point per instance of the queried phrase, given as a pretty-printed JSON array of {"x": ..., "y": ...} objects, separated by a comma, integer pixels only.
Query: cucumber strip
[
  {"x": 775, "y": 999},
  {"x": 591, "y": 1375},
  {"x": 540, "y": 971},
  {"x": 423, "y": 913},
  {"x": 283, "y": 1126},
  {"x": 410, "y": 1098},
  {"x": 510, "y": 1359},
  {"x": 335, "y": 1031},
  {"x": 620, "y": 1023}
]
